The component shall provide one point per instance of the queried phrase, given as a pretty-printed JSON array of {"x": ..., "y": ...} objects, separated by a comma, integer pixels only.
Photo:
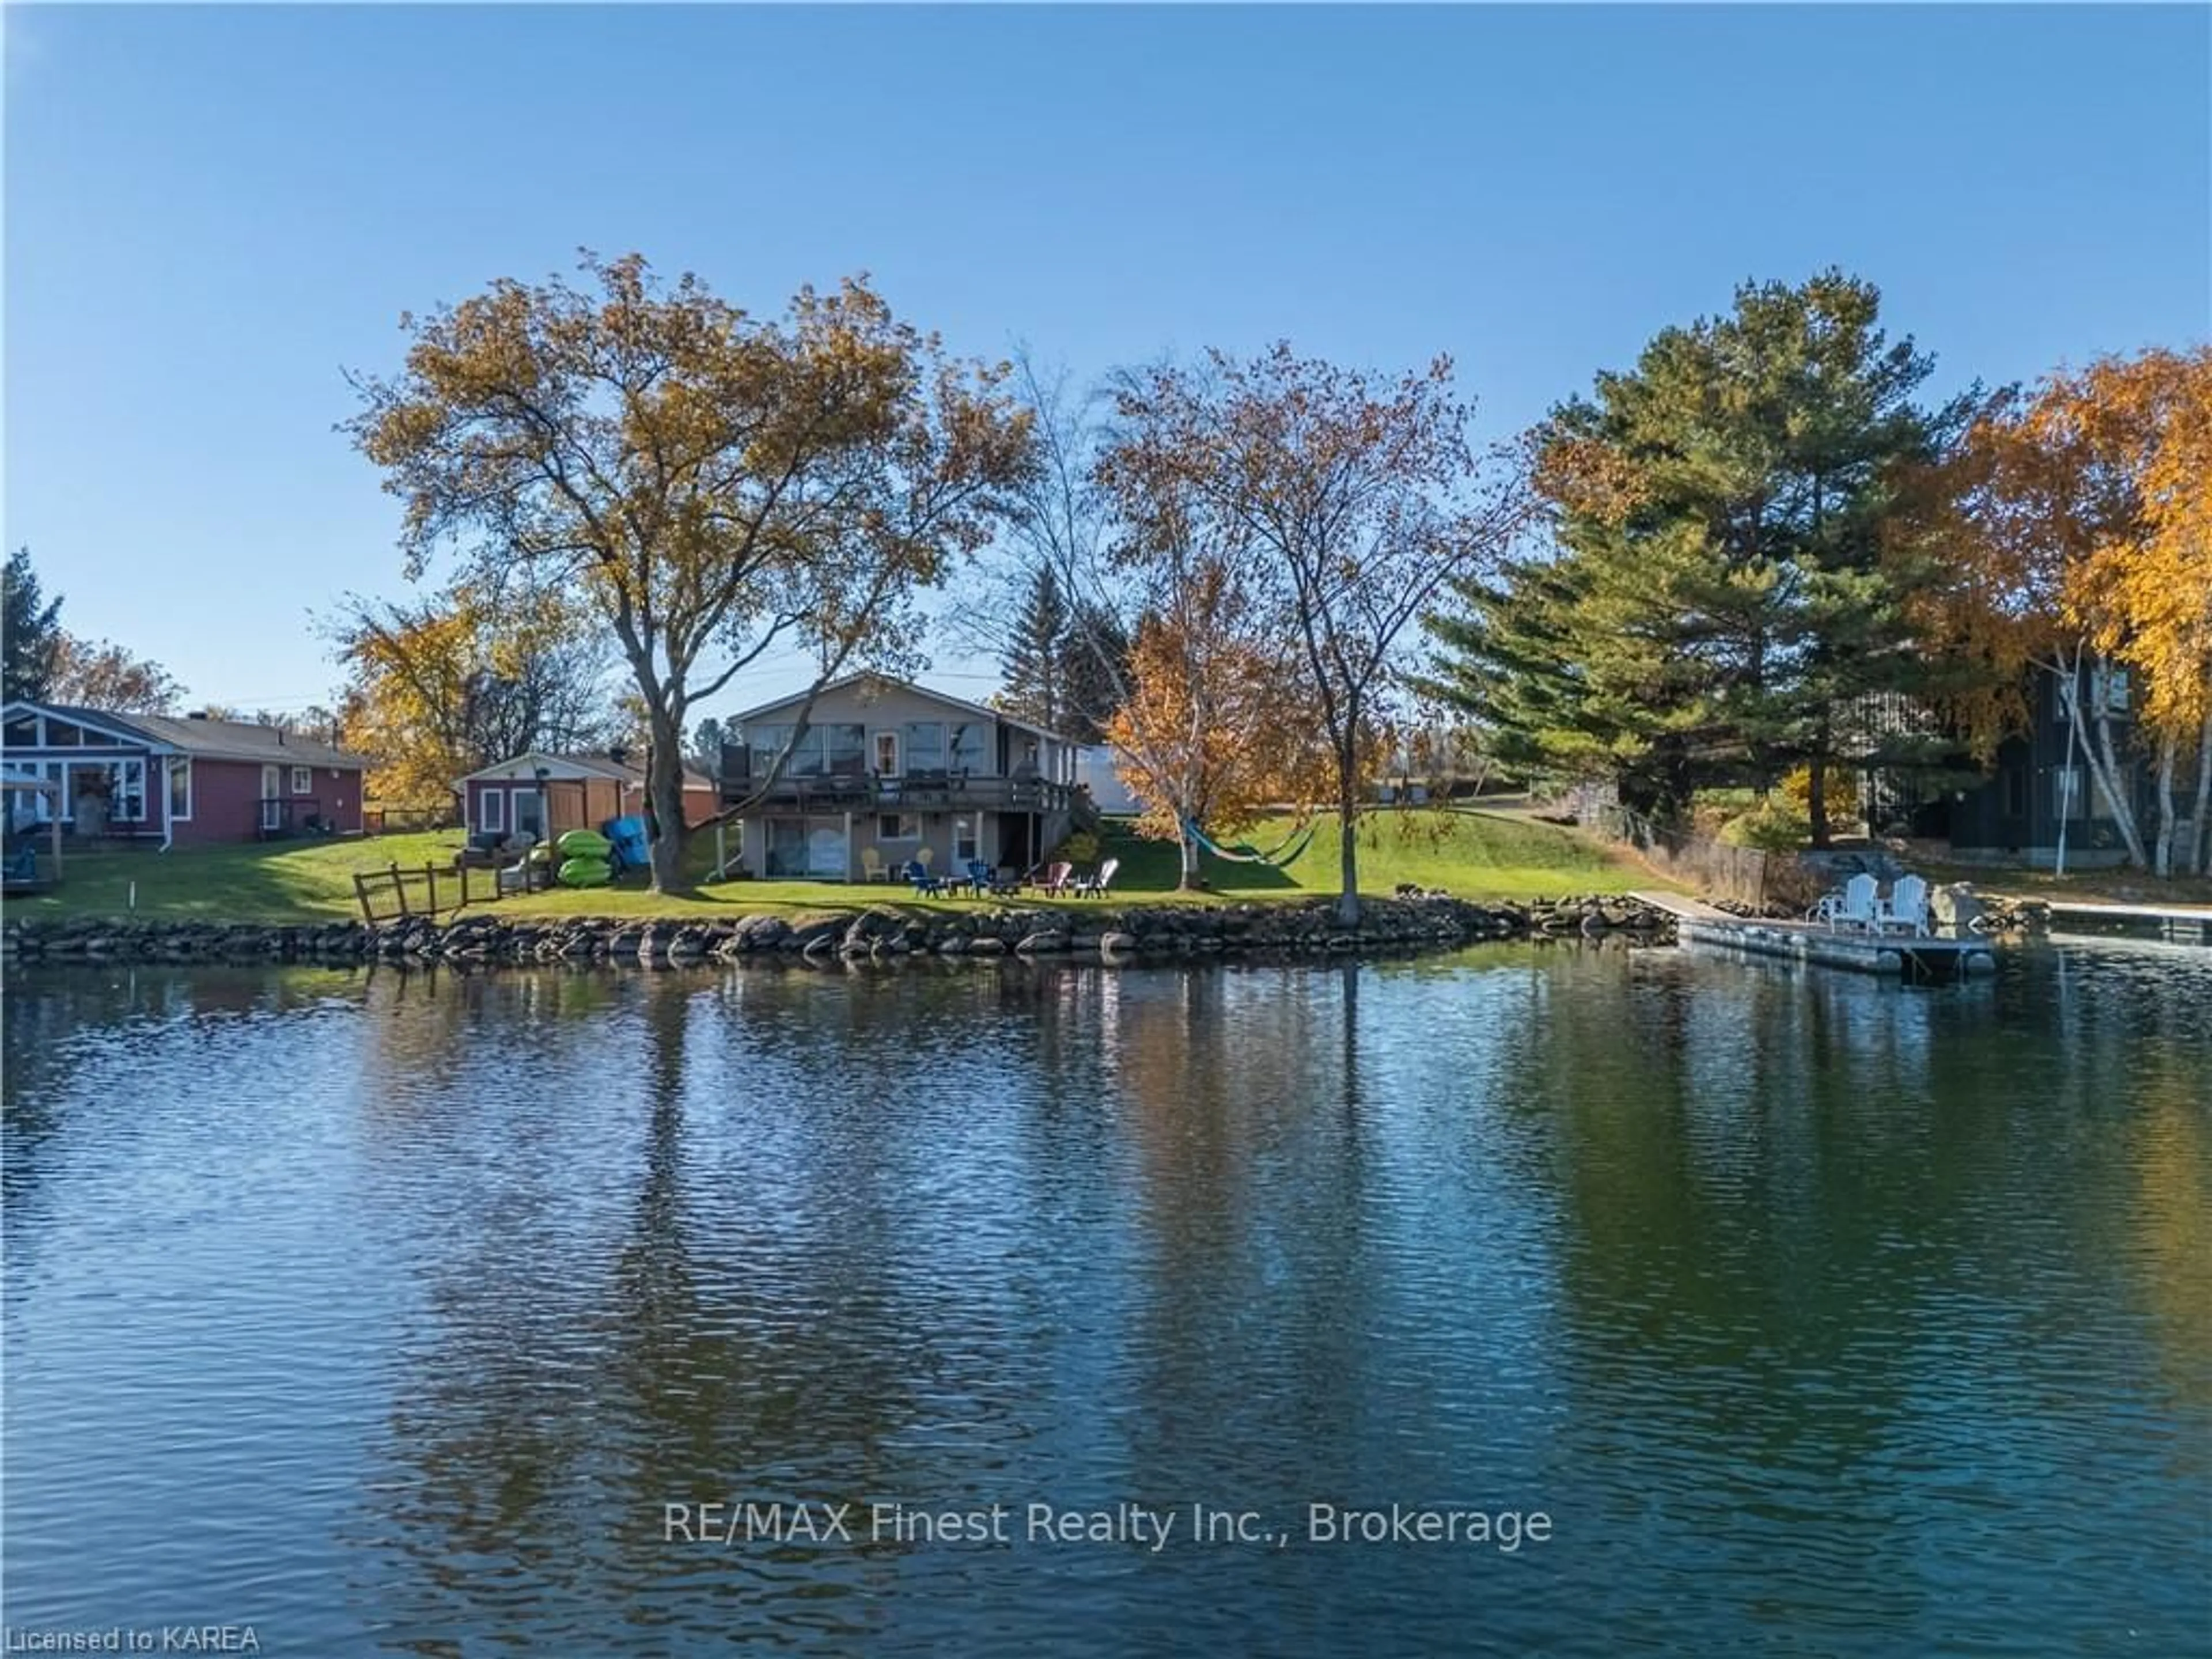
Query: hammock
[{"x": 1287, "y": 853}]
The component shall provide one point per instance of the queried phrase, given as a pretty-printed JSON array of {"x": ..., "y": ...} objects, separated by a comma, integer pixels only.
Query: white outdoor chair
[
  {"x": 1906, "y": 906},
  {"x": 1854, "y": 905}
]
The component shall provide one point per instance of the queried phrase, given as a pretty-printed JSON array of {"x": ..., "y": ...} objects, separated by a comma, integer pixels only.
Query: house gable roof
[
  {"x": 206, "y": 739},
  {"x": 604, "y": 766},
  {"x": 870, "y": 675}
]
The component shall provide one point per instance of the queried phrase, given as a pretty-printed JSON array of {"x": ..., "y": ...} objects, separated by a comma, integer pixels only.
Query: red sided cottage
[{"x": 165, "y": 780}]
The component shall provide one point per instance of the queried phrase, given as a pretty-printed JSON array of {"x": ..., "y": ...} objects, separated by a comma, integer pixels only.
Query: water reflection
[{"x": 1802, "y": 1303}]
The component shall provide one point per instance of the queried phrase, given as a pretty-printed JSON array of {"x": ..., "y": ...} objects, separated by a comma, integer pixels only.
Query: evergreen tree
[
  {"x": 705, "y": 754},
  {"x": 1720, "y": 605},
  {"x": 32, "y": 626},
  {"x": 1095, "y": 672},
  {"x": 1034, "y": 663}
]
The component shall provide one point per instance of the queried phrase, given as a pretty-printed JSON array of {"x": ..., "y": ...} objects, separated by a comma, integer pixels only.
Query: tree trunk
[
  {"x": 2113, "y": 780},
  {"x": 1348, "y": 818},
  {"x": 1190, "y": 882},
  {"x": 2104, "y": 766},
  {"x": 1816, "y": 771},
  {"x": 2200, "y": 841},
  {"x": 2162, "y": 859},
  {"x": 663, "y": 791}
]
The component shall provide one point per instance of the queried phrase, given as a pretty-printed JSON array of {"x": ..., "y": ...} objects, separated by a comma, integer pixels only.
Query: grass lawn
[{"x": 1470, "y": 854}]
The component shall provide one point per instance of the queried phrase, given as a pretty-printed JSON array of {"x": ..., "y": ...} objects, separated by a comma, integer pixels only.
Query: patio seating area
[{"x": 1860, "y": 904}]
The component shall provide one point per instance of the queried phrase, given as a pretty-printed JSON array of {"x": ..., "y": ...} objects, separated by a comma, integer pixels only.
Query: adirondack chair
[
  {"x": 1853, "y": 905},
  {"x": 1096, "y": 887},
  {"x": 917, "y": 874},
  {"x": 1906, "y": 906},
  {"x": 1058, "y": 878},
  {"x": 871, "y": 865}
]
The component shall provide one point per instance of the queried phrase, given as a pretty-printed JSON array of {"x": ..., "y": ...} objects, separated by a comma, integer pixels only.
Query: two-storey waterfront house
[{"x": 885, "y": 769}]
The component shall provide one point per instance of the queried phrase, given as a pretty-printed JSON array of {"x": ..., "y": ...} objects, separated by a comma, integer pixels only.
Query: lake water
[{"x": 1815, "y": 1316}]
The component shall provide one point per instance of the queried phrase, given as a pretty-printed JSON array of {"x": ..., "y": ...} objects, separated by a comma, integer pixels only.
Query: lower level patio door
[{"x": 812, "y": 849}]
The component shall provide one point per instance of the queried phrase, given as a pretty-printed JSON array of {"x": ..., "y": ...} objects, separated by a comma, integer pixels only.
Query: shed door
[{"x": 272, "y": 796}]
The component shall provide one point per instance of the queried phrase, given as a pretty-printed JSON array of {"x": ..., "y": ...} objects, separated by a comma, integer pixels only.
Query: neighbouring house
[
  {"x": 2041, "y": 782},
  {"x": 168, "y": 779},
  {"x": 547, "y": 795},
  {"x": 886, "y": 768}
]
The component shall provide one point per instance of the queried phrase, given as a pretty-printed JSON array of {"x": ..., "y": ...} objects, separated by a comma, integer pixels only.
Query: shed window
[{"x": 491, "y": 811}]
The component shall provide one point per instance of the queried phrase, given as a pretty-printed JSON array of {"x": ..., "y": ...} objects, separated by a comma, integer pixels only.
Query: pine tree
[
  {"x": 1723, "y": 606},
  {"x": 1035, "y": 661},
  {"x": 32, "y": 626},
  {"x": 1095, "y": 672},
  {"x": 705, "y": 754}
]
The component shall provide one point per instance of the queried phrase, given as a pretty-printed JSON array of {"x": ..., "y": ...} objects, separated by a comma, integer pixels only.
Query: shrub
[
  {"x": 1776, "y": 825},
  {"x": 1842, "y": 792},
  {"x": 1081, "y": 847}
]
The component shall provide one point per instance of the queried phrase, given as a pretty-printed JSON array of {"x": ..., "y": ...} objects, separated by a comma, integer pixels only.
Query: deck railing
[{"x": 947, "y": 791}]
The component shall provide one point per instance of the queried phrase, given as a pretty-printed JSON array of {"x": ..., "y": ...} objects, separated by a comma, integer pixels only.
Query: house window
[
  {"x": 2068, "y": 797},
  {"x": 968, "y": 744},
  {"x": 180, "y": 790},
  {"x": 765, "y": 743},
  {"x": 887, "y": 753},
  {"x": 964, "y": 843},
  {"x": 491, "y": 811},
  {"x": 127, "y": 792},
  {"x": 846, "y": 748},
  {"x": 898, "y": 826},
  {"x": 925, "y": 746},
  {"x": 2109, "y": 690},
  {"x": 303, "y": 780}
]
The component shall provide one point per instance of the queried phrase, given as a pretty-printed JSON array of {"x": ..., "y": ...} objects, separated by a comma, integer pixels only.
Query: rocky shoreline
[{"x": 1107, "y": 935}]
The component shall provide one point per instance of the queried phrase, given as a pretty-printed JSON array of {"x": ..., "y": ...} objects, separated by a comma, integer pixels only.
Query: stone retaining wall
[{"x": 1104, "y": 934}]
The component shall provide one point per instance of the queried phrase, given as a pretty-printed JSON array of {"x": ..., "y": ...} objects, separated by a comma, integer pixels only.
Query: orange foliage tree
[
  {"x": 1208, "y": 734},
  {"x": 1348, "y": 499},
  {"x": 2073, "y": 534}
]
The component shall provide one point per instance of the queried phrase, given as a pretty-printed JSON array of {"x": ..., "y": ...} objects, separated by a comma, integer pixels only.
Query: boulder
[{"x": 1956, "y": 907}]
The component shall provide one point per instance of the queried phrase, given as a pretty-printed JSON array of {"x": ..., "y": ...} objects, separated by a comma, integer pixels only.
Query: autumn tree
[
  {"x": 31, "y": 624},
  {"x": 1210, "y": 730},
  {"x": 1206, "y": 735},
  {"x": 100, "y": 674},
  {"x": 711, "y": 484},
  {"x": 1358, "y": 497},
  {"x": 2072, "y": 536},
  {"x": 441, "y": 686}
]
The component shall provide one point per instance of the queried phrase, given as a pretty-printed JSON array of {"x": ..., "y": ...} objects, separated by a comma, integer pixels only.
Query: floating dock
[
  {"x": 2183, "y": 924},
  {"x": 1817, "y": 944}
]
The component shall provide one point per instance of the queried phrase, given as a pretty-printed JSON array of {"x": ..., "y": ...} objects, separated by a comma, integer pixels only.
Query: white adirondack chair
[
  {"x": 1906, "y": 906},
  {"x": 1854, "y": 905}
]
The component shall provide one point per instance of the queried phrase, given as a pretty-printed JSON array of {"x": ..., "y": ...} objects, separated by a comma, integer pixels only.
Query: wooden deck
[
  {"x": 1816, "y": 944},
  {"x": 2183, "y": 924}
]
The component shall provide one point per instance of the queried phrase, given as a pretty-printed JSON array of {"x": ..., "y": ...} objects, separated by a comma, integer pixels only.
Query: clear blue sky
[{"x": 209, "y": 213}]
